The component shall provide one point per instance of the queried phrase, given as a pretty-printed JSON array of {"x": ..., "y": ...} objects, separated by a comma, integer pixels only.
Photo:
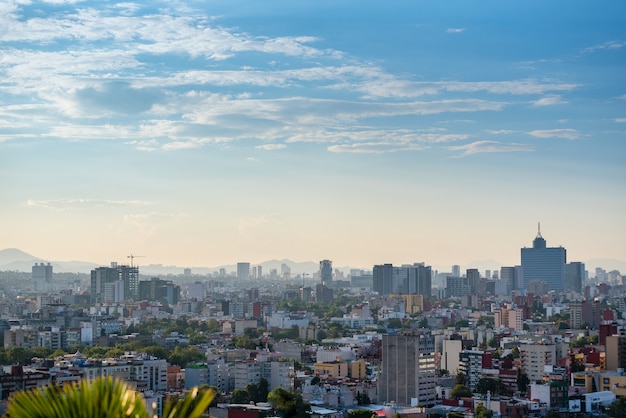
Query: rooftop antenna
[{"x": 539, "y": 230}]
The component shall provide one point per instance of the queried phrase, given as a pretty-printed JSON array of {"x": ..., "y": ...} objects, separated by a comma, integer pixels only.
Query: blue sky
[{"x": 209, "y": 132}]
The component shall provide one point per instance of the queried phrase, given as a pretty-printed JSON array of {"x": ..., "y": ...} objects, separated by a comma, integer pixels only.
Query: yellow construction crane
[{"x": 132, "y": 257}]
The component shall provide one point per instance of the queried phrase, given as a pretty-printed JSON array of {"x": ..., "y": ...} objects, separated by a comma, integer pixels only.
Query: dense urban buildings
[{"x": 403, "y": 338}]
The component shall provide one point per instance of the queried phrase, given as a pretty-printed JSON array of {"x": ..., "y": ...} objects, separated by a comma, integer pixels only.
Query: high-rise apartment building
[
  {"x": 585, "y": 314},
  {"x": 243, "y": 271},
  {"x": 456, "y": 270},
  {"x": 513, "y": 277},
  {"x": 544, "y": 263},
  {"x": 473, "y": 280},
  {"x": 383, "y": 279},
  {"x": 574, "y": 276},
  {"x": 419, "y": 279},
  {"x": 471, "y": 365},
  {"x": 103, "y": 275},
  {"x": 535, "y": 357},
  {"x": 408, "y": 370},
  {"x": 326, "y": 272},
  {"x": 408, "y": 279},
  {"x": 42, "y": 272},
  {"x": 616, "y": 352}
]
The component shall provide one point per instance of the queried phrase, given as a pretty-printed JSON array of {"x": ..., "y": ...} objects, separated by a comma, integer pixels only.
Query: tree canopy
[
  {"x": 461, "y": 391},
  {"x": 288, "y": 403}
]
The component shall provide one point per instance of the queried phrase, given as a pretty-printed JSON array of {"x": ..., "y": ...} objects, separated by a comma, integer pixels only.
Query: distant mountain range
[{"x": 13, "y": 259}]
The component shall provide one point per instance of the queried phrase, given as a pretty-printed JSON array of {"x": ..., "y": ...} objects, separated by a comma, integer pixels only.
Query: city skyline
[{"x": 200, "y": 134}]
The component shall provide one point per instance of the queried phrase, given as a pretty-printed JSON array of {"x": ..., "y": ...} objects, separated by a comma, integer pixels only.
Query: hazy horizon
[{"x": 199, "y": 133}]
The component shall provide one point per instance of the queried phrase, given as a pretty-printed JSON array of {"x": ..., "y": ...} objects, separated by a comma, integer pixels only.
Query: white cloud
[
  {"x": 71, "y": 204},
  {"x": 610, "y": 45},
  {"x": 549, "y": 101},
  {"x": 480, "y": 147},
  {"x": 455, "y": 30},
  {"x": 271, "y": 147},
  {"x": 375, "y": 147},
  {"x": 620, "y": 120},
  {"x": 556, "y": 133},
  {"x": 500, "y": 131},
  {"x": 142, "y": 219}
]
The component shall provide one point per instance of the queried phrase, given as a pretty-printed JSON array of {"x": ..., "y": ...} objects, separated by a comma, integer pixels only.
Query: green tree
[
  {"x": 361, "y": 413},
  {"x": 182, "y": 356},
  {"x": 243, "y": 341},
  {"x": 257, "y": 392},
  {"x": 394, "y": 323},
  {"x": 99, "y": 398},
  {"x": 288, "y": 403},
  {"x": 617, "y": 408},
  {"x": 461, "y": 391},
  {"x": 460, "y": 379},
  {"x": 522, "y": 381},
  {"x": 363, "y": 399},
  {"x": 19, "y": 355},
  {"x": 495, "y": 386},
  {"x": 41, "y": 352},
  {"x": 462, "y": 323},
  {"x": 481, "y": 412},
  {"x": 240, "y": 396},
  {"x": 156, "y": 351}
]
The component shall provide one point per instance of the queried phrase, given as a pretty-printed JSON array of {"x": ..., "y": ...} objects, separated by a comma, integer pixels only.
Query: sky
[{"x": 203, "y": 133}]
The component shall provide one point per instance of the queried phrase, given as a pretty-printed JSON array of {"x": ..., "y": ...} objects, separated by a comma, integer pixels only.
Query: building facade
[
  {"x": 408, "y": 370},
  {"x": 544, "y": 263}
]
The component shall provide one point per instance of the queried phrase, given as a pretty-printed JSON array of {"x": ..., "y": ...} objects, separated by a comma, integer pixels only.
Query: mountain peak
[{"x": 10, "y": 255}]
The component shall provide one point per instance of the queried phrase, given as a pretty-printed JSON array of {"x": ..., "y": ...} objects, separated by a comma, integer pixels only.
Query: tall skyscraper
[
  {"x": 473, "y": 278},
  {"x": 42, "y": 273},
  {"x": 102, "y": 276},
  {"x": 407, "y": 279},
  {"x": 574, "y": 275},
  {"x": 383, "y": 279},
  {"x": 420, "y": 279},
  {"x": 544, "y": 263},
  {"x": 456, "y": 270},
  {"x": 408, "y": 370},
  {"x": 243, "y": 271},
  {"x": 512, "y": 276},
  {"x": 326, "y": 272}
]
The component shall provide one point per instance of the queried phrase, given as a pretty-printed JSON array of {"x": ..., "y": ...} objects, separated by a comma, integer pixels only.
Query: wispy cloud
[
  {"x": 141, "y": 219},
  {"x": 375, "y": 147},
  {"x": 610, "y": 45},
  {"x": 500, "y": 131},
  {"x": 620, "y": 120},
  {"x": 480, "y": 147},
  {"x": 455, "y": 30},
  {"x": 556, "y": 133},
  {"x": 549, "y": 101},
  {"x": 71, "y": 204},
  {"x": 271, "y": 147}
]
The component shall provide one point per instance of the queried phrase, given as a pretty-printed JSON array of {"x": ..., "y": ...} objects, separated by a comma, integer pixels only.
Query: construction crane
[{"x": 132, "y": 257}]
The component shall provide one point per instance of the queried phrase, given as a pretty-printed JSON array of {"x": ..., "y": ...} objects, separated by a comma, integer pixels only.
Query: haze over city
[{"x": 206, "y": 133}]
